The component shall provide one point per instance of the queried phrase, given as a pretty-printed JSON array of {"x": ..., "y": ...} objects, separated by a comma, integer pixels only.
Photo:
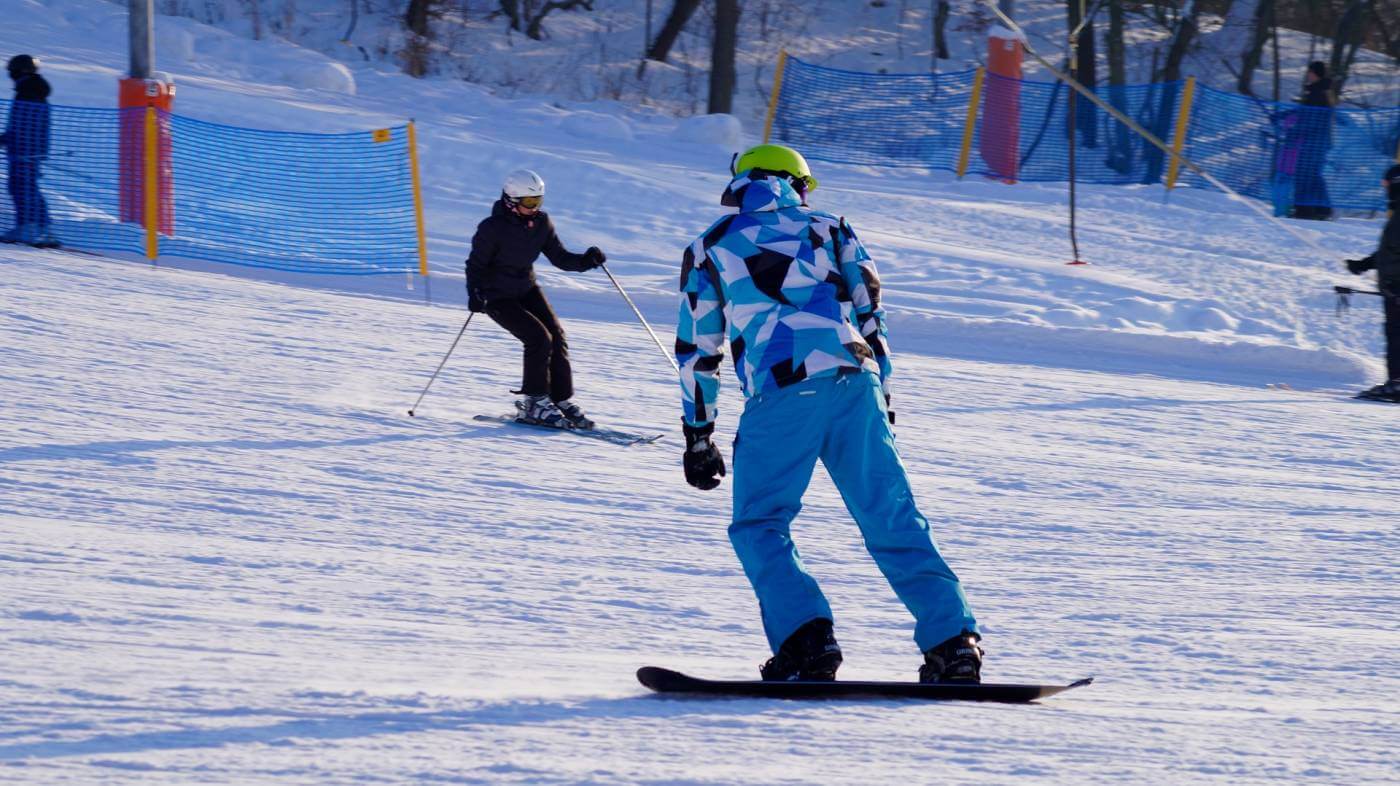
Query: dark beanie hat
[{"x": 1318, "y": 67}]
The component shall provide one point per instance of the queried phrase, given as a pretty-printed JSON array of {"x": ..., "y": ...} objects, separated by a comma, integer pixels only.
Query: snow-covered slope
[{"x": 228, "y": 556}]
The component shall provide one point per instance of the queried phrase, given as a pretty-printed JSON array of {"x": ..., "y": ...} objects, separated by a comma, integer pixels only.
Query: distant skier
[
  {"x": 798, "y": 299},
  {"x": 1386, "y": 263},
  {"x": 1313, "y": 142},
  {"x": 501, "y": 282},
  {"x": 26, "y": 143}
]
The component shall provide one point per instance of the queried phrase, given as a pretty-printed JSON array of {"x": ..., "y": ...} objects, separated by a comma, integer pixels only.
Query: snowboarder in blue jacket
[
  {"x": 797, "y": 298},
  {"x": 26, "y": 143}
]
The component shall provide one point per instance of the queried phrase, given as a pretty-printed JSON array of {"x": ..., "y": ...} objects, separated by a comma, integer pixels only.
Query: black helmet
[{"x": 20, "y": 65}]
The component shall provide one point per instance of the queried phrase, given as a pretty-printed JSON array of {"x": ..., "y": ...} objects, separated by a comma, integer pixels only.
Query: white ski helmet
[{"x": 523, "y": 183}]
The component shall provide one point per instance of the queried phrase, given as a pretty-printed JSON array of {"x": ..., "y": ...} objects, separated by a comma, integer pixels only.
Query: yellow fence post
[
  {"x": 417, "y": 199},
  {"x": 972, "y": 104},
  {"x": 152, "y": 185},
  {"x": 1183, "y": 119},
  {"x": 773, "y": 99}
]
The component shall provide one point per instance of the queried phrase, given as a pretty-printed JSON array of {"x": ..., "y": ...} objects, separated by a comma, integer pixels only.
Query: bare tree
[
  {"x": 1120, "y": 156},
  {"x": 1265, "y": 18},
  {"x": 681, "y": 12},
  {"x": 416, "y": 17},
  {"x": 723, "y": 73},
  {"x": 940, "y": 25},
  {"x": 1347, "y": 40},
  {"x": 528, "y": 15}
]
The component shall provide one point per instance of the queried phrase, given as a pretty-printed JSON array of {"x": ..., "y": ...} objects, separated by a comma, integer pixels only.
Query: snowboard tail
[{"x": 668, "y": 681}]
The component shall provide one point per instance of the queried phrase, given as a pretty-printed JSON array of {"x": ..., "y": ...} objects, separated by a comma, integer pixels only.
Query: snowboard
[
  {"x": 667, "y": 681},
  {"x": 624, "y": 438}
]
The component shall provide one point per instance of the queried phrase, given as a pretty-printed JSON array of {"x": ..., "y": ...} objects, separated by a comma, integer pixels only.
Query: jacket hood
[{"x": 751, "y": 193}]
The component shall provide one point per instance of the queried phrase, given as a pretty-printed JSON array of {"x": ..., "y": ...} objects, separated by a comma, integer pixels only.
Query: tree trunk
[
  {"x": 1086, "y": 114},
  {"x": 681, "y": 11},
  {"x": 416, "y": 17},
  {"x": 1120, "y": 157},
  {"x": 1347, "y": 39},
  {"x": 723, "y": 74},
  {"x": 1254, "y": 50},
  {"x": 1170, "y": 74},
  {"x": 940, "y": 25}
]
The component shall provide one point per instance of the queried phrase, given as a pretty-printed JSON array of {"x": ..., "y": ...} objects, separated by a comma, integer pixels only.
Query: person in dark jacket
[
  {"x": 26, "y": 143},
  {"x": 1386, "y": 263},
  {"x": 1314, "y": 130},
  {"x": 501, "y": 282}
]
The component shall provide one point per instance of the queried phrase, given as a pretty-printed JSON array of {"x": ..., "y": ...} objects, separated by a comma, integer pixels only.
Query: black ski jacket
[
  {"x": 1386, "y": 260},
  {"x": 26, "y": 135},
  {"x": 504, "y": 250}
]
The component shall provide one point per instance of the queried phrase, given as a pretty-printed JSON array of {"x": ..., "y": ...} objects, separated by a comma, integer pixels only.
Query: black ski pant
[
  {"x": 530, "y": 319},
  {"x": 1392, "y": 336}
]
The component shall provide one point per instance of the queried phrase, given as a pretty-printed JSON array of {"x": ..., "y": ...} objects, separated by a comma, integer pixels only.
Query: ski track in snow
[{"x": 230, "y": 556}]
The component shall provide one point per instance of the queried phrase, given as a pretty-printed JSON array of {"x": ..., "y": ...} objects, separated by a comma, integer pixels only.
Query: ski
[
  {"x": 667, "y": 681},
  {"x": 624, "y": 438}
]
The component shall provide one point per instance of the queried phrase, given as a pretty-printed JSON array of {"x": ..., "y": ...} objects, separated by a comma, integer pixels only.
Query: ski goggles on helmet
[{"x": 527, "y": 202}]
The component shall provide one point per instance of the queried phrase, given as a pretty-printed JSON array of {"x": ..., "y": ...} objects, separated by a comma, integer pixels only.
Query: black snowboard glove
[
  {"x": 595, "y": 257},
  {"x": 475, "y": 302},
  {"x": 704, "y": 466},
  {"x": 1358, "y": 266},
  {"x": 889, "y": 408}
]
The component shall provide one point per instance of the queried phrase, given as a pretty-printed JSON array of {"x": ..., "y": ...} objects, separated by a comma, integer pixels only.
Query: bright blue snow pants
[{"x": 842, "y": 421}]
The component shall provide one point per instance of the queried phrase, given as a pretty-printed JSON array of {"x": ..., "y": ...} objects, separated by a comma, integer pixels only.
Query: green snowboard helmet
[{"x": 778, "y": 159}]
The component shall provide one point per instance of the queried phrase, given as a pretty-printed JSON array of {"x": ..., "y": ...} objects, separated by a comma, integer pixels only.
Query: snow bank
[
  {"x": 723, "y": 130},
  {"x": 596, "y": 125}
]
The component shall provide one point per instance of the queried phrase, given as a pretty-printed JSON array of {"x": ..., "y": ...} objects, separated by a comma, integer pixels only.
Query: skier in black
[
  {"x": 26, "y": 143},
  {"x": 1386, "y": 263},
  {"x": 501, "y": 282}
]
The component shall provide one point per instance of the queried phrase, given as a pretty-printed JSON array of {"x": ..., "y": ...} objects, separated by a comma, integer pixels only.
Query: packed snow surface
[{"x": 227, "y": 555}]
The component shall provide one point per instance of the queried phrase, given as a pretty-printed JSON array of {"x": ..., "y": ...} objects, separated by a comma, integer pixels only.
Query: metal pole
[
  {"x": 443, "y": 363},
  {"x": 638, "y": 312},
  {"x": 142, "y": 22}
]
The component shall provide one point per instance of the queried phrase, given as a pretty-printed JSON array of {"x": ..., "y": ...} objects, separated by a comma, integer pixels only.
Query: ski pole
[
  {"x": 443, "y": 363},
  {"x": 638, "y": 312},
  {"x": 1344, "y": 297}
]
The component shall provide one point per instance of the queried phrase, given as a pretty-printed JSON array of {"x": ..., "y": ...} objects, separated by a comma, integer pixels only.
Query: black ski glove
[
  {"x": 704, "y": 466},
  {"x": 889, "y": 408},
  {"x": 595, "y": 257},
  {"x": 475, "y": 302},
  {"x": 1358, "y": 266}
]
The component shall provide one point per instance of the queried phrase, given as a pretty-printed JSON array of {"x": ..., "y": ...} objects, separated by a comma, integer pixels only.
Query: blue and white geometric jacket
[{"x": 790, "y": 288}]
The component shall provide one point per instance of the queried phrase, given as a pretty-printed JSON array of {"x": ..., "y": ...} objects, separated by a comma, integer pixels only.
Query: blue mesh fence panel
[
  {"x": 881, "y": 119},
  {"x": 1285, "y": 153},
  {"x": 321, "y": 203}
]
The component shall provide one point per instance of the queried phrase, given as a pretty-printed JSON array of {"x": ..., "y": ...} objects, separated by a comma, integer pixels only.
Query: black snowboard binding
[
  {"x": 1386, "y": 391},
  {"x": 958, "y": 659},
  {"x": 810, "y": 653}
]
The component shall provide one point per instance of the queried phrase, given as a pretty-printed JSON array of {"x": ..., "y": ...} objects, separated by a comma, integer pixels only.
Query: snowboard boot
[
  {"x": 11, "y": 236},
  {"x": 573, "y": 413},
  {"x": 1386, "y": 391},
  {"x": 810, "y": 653},
  {"x": 45, "y": 239},
  {"x": 958, "y": 659},
  {"x": 540, "y": 411}
]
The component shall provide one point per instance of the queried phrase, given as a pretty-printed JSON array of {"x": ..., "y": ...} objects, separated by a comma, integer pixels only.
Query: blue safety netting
[
  {"x": 1300, "y": 158},
  {"x": 321, "y": 203}
]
